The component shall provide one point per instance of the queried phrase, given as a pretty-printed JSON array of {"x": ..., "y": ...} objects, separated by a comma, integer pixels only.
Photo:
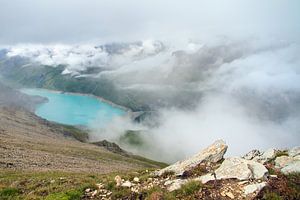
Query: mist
[
  {"x": 250, "y": 97},
  {"x": 207, "y": 70}
]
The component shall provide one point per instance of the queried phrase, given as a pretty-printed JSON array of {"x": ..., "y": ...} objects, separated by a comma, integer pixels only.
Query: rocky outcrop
[
  {"x": 288, "y": 164},
  {"x": 294, "y": 152},
  {"x": 238, "y": 178},
  {"x": 213, "y": 153},
  {"x": 267, "y": 156},
  {"x": 293, "y": 167},
  {"x": 237, "y": 168},
  {"x": 261, "y": 157},
  {"x": 111, "y": 146},
  {"x": 252, "y": 154}
]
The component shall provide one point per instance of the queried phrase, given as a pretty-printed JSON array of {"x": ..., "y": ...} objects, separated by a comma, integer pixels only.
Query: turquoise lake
[{"x": 73, "y": 109}]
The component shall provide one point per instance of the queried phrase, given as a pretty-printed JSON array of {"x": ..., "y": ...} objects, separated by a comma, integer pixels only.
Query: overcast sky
[{"x": 77, "y": 21}]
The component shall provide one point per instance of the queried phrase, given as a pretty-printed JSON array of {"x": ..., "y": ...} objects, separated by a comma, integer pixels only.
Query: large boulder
[
  {"x": 237, "y": 168},
  {"x": 213, "y": 154}
]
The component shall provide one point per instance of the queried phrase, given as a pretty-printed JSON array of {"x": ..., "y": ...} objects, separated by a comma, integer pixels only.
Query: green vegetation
[
  {"x": 132, "y": 137},
  {"x": 45, "y": 185},
  {"x": 283, "y": 187},
  {"x": 77, "y": 133},
  {"x": 272, "y": 196},
  {"x": 294, "y": 183},
  {"x": 70, "y": 195},
  {"x": 9, "y": 193},
  {"x": 281, "y": 153},
  {"x": 189, "y": 188},
  {"x": 48, "y": 77},
  {"x": 167, "y": 174}
]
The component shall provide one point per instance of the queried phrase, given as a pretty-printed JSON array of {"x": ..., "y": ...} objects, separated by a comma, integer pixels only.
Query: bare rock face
[
  {"x": 237, "y": 168},
  {"x": 213, "y": 153}
]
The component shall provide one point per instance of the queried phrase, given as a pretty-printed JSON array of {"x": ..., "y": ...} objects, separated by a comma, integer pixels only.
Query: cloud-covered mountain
[
  {"x": 236, "y": 90},
  {"x": 80, "y": 58}
]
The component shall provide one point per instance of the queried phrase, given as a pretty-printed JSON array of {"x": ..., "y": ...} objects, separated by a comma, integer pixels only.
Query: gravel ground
[{"x": 28, "y": 142}]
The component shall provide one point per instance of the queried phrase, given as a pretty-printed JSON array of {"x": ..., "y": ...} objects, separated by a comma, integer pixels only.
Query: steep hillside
[{"x": 30, "y": 143}]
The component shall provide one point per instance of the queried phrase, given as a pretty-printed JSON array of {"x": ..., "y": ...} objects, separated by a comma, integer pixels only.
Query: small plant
[
  {"x": 272, "y": 196},
  {"x": 189, "y": 188},
  {"x": 70, "y": 195},
  {"x": 120, "y": 192},
  {"x": 271, "y": 171},
  {"x": 167, "y": 174},
  {"x": 9, "y": 193}
]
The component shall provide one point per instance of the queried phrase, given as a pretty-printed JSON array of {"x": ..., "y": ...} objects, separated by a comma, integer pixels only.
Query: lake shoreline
[{"x": 126, "y": 109}]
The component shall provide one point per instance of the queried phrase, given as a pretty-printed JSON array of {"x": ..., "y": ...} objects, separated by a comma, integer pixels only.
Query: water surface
[{"x": 74, "y": 109}]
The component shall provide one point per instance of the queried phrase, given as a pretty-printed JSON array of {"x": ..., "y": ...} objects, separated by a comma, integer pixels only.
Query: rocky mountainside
[
  {"x": 273, "y": 174},
  {"x": 10, "y": 97},
  {"x": 44, "y": 160},
  {"x": 28, "y": 142}
]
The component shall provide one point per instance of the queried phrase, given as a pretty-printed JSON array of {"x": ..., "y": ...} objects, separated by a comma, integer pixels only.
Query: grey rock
[
  {"x": 252, "y": 154},
  {"x": 266, "y": 156},
  {"x": 254, "y": 188},
  {"x": 283, "y": 161},
  {"x": 237, "y": 168},
  {"x": 288, "y": 164},
  {"x": 294, "y": 151},
  {"x": 293, "y": 167},
  {"x": 126, "y": 184},
  {"x": 176, "y": 184},
  {"x": 213, "y": 153}
]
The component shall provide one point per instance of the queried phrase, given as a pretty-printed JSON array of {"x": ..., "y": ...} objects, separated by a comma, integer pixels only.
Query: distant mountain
[{"x": 10, "y": 97}]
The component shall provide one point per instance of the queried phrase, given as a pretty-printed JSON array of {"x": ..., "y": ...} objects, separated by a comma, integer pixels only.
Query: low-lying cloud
[
  {"x": 249, "y": 96},
  {"x": 246, "y": 92}
]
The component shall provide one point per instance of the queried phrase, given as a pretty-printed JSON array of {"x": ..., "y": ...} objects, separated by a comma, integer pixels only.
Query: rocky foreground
[{"x": 273, "y": 174}]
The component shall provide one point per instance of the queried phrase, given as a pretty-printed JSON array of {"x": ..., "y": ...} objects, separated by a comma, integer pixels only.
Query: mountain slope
[{"x": 30, "y": 143}]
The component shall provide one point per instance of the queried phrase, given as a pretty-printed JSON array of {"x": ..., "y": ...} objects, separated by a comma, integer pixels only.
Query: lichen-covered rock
[
  {"x": 118, "y": 180},
  {"x": 294, "y": 151},
  {"x": 237, "y": 168},
  {"x": 293, "y": 167},
  {"x": 260, "y": 157},
  {"x": 288, "y": 164},
  {"x": 265, "y": 156},
  {"x": 252, "y": 154},
  {"x": 213, "y": 153},
  {"x": 248, "y": 189},
  {"x": 176, "y": 184},
  {"x": 283, "y": 161},
  {"x": 126, "y": 184}
]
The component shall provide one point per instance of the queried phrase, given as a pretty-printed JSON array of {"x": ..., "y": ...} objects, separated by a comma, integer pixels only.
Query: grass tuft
[
  {"x": 9, "y": 193},
  {"x": 189, "y": 188}
]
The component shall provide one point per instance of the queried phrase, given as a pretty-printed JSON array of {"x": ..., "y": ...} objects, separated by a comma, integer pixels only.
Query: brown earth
[{"x": 28, "y": 142}]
